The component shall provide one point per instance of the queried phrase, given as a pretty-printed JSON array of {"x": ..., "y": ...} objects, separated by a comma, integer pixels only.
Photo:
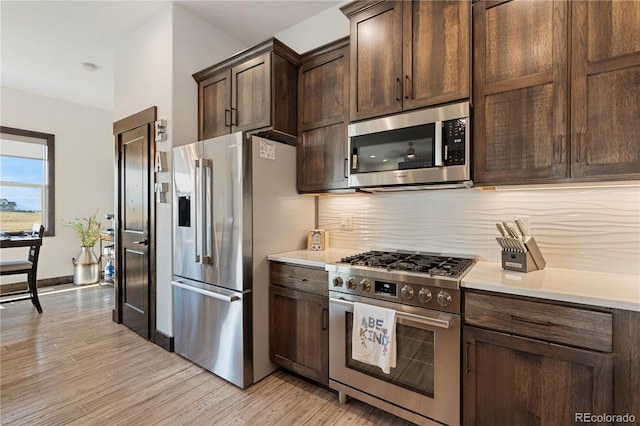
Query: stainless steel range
[{"x": 424, "y": 290}]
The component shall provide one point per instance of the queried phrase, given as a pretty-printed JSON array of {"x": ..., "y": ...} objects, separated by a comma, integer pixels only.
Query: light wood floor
[{"x": 72, "y": 365}]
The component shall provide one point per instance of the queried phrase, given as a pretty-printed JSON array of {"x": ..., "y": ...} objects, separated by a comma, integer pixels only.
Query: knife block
[
  {"x": 524, "y": 261},
  {"x": 518, "y": 261}
]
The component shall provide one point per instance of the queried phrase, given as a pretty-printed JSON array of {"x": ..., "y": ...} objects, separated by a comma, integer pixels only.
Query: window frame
[{"x": 49, "y": 141}]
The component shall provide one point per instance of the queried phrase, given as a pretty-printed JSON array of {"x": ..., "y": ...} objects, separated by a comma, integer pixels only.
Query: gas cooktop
[{"x": 421, "y": 263}]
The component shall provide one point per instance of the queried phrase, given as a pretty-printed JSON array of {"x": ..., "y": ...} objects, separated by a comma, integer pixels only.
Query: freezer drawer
[{"x": 212, "y": 328}]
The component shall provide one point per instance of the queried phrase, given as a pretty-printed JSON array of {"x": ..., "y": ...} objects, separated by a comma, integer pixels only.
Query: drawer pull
[
  {"x": 530, "y": 321},
  {"x": 297, "y": 278}
]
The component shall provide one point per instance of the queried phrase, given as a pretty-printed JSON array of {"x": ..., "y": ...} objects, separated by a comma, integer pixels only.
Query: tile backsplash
[{"x": 593, "y": 229}]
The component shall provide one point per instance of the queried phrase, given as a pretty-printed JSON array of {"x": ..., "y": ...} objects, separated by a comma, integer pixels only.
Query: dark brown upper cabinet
[
  {"x": 407, "y": 55},
  {"x": 605, "y": 89},
  {"x": 253, "y": 90},
  {"x": 555, "y": 99},
  {"x": 323, "y": 90}
]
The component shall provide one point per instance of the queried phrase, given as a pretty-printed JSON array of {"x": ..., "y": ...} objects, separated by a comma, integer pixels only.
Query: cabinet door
[
  {"x": 376, "y": 61},
  {"x": 251, "y": 96},
  {"x": 299, "y": 334},
  {"x": 214, "y": 106},
  {"x": 323, "y": 90},
  {"x": 520, "y": 91},
  {"x": 605, "y": 89},
  {"x": 514, "y": 380},
  {"x": 322, "y": 158},
  {"x": 323, "y": 106},
  {"x": 436, "y": 44}
]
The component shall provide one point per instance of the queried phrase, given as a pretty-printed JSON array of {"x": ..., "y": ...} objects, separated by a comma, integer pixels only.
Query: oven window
[
  {"x": 407, "y": 148},
  {"x": 414, "y": 362}
]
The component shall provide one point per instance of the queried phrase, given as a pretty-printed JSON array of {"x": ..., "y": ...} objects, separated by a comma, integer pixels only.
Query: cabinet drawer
[
  {"x": 540, "y": 320},
  {"x": 302, "y": 278}
]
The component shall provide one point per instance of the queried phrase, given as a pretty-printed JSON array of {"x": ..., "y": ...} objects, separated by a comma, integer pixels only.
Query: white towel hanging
[{"x": 373, "y": 339}]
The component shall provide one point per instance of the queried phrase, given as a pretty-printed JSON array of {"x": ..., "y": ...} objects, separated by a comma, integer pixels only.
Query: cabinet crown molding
[
  {"x": 270, "y": 45},
  {"x": 358, "y": 6}
]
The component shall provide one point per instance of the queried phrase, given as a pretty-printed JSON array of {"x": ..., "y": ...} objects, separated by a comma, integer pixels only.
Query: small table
[{"x": 20, "y": 242}]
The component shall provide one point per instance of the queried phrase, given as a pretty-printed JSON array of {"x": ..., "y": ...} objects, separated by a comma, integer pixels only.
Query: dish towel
[{"x": 373, "y": 339}]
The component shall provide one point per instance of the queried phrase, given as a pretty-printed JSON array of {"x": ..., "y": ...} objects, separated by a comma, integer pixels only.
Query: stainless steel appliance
[
  {"x": 424, "y": 290},
  {"x": 420, "y": 148},
  {"x": 235, "y": 201}
]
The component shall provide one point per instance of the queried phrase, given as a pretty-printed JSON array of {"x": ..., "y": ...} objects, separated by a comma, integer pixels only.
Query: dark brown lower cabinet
[
  {"x": 299, "y": 329},
  {"x": 520, "y": 381}
]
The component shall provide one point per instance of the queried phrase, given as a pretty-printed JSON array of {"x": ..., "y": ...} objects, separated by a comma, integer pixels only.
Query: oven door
[{"x": 426, "y": 380}]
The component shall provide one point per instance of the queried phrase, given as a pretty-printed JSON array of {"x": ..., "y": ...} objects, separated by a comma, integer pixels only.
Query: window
[{"x": 26, "y": 180}]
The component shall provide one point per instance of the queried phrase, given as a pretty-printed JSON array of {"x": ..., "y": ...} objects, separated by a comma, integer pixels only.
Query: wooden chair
[{"x": 29, "y": 267}]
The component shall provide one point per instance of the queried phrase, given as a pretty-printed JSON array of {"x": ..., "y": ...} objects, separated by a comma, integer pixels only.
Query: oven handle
[{"x": 436, "y": 322}]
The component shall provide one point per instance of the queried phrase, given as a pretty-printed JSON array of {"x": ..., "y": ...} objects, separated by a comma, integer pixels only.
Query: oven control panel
[
  {"x": 420, "y": 295},
  {"x": 385, "y": 288}
]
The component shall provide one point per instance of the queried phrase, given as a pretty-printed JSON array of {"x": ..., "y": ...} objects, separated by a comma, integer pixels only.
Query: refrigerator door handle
[
  {"x": 206, "y": 235},
  {"x": 198, "y": 207},
  {"x": 207, "y": 293}
]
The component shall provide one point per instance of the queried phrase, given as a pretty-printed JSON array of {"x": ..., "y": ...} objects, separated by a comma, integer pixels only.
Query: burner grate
[{"x": 413, "y": 262}]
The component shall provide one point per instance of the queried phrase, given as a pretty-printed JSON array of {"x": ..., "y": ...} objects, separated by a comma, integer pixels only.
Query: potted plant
[{"x": 86, "y": 269}]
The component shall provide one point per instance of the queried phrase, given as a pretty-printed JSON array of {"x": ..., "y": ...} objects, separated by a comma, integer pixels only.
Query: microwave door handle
[
  {"x": 439, "y": 158},
  {"x": 432, "y": 322}
]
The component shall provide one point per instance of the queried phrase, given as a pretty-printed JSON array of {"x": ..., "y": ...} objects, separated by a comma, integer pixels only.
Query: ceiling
[{"x": 44, "y": 43}]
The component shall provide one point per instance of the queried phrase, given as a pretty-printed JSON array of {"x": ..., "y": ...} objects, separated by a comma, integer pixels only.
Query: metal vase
[{"x": 86, "y": 269}]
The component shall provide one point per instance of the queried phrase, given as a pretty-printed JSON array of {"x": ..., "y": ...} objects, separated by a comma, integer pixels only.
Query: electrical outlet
[
  {"x": 526, "y": 221},
  {"x": 346, "y": 222}
]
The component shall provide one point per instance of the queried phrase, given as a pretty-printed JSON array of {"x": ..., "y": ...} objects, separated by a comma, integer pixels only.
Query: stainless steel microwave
[{"x": 416, "y": 149}]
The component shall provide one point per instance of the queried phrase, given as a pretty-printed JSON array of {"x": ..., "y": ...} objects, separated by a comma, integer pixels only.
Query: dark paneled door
[
  {"x": 134, "y": 229},
  {"x": 135, "y": 268}
]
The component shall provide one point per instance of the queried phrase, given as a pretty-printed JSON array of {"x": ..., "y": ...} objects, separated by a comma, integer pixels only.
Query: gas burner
[{"x": 422, "y": 263}]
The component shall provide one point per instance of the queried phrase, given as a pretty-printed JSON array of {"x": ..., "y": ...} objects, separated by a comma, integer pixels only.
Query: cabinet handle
[
  {"x": 466, "y": 363},
  {"x": 234, "y": 117},
  {"x": 346, "y": 168},
  {"x": 530, "y": 321},
  {"x": 579, "y": 147},
  {"x": 226, "y": 122},
  {"x": 325, "y": 319},
  {"x": 398, "y": 89},
  {"x": 297, "y": 278},
  {"x": 406, "y": 86},
  {"x": 561, "y": 148}
]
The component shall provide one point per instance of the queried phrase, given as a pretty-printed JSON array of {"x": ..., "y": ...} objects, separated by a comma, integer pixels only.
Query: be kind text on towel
[{"x": 373, "y": 338}]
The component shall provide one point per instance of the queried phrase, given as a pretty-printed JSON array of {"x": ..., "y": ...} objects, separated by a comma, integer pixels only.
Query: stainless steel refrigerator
[{"x": 234, "y": 202}]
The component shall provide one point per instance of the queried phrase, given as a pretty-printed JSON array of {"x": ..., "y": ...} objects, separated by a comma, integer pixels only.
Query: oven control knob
[
  {"x": 351, "y": 283},
  {"x": 365, "y": 284},
  {"x": 444, "y": 298},
  {"x": 407, "y": 292},
  {"x": 424, "y": 295},
  {"x": 337, "y": 281}
]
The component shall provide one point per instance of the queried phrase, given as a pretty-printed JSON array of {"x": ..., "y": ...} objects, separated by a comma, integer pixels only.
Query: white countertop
[
  {"x": 564, "y": 285},
  {"x": 313, "y": 258},
  {"x": 584, "y": 287}
]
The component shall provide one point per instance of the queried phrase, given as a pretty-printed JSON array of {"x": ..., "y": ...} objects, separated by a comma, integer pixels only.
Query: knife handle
[
  {"x": 503, "y": 233},
  {"x": 520, "y": 226},
  {"x": 510, "y": 230}
]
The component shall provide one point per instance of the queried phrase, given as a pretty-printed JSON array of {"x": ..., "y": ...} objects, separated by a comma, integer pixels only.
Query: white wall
[
  {"x": 318, "y": 30},
  {"x": 84, "y": 171},
  {"x": 154, "y": 67},
  {"x": 589, "y": 229}
]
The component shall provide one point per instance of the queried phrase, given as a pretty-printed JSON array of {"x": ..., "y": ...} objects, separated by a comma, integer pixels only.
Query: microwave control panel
[{"x": 454, "y": 141}]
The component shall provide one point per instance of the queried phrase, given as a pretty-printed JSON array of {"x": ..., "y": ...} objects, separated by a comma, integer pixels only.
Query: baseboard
[
  {"x": 46, "y": 282},
  {"x": 162, "y": 340}
]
